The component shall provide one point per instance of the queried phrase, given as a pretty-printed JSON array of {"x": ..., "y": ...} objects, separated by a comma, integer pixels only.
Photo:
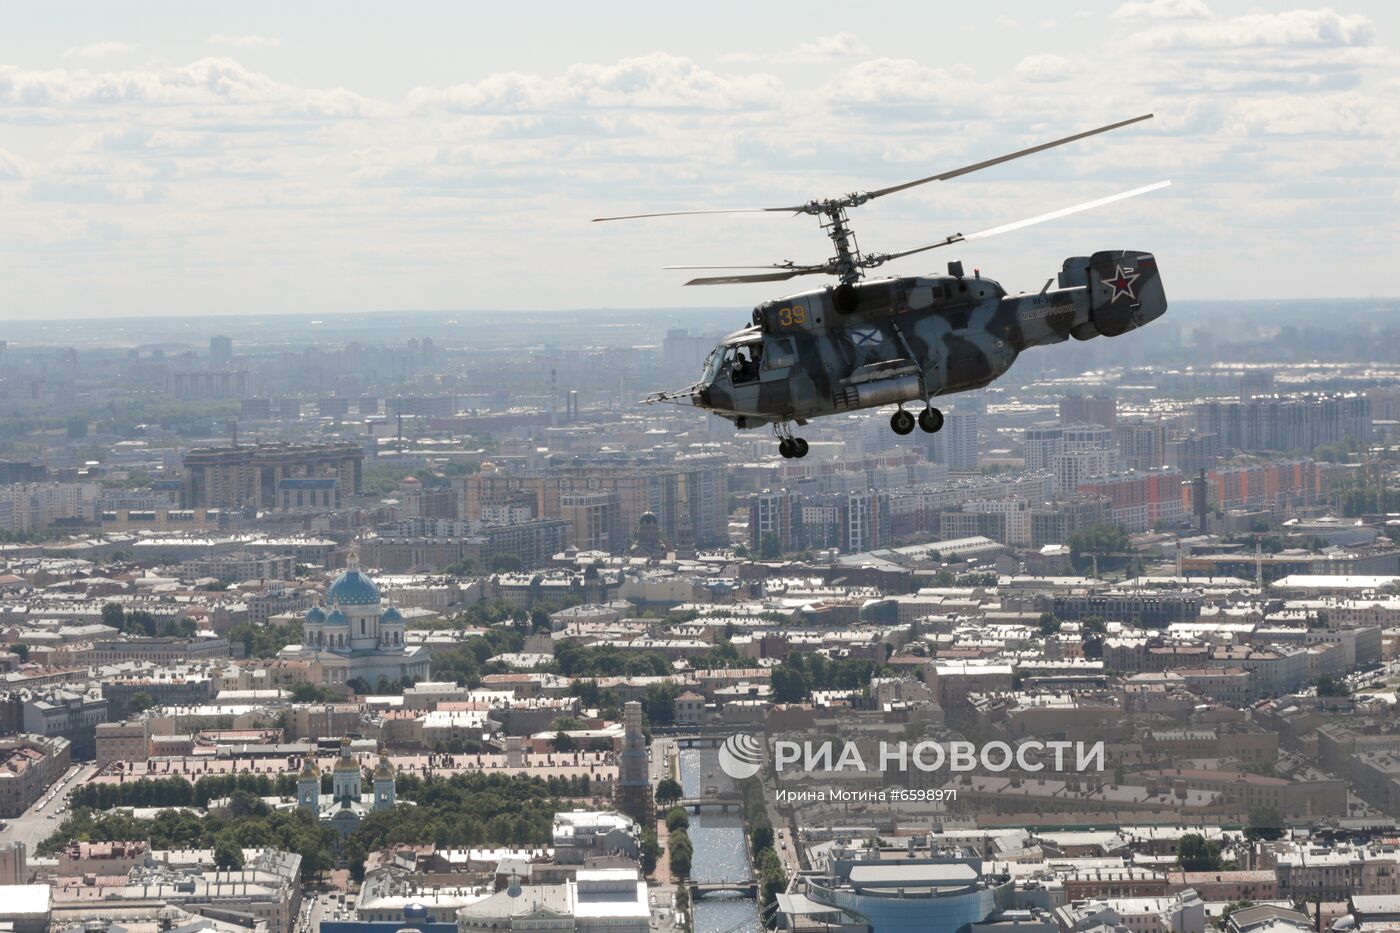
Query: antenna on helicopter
[{"x": 848, "y": 264}]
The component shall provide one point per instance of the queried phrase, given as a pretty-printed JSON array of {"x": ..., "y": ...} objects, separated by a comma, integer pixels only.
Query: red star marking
[{"x": 1122, "y": 283}]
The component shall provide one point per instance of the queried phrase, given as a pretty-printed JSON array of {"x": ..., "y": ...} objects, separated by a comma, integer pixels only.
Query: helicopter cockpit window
[
  {"x": 747, "y": 359},
  {"x": 780, "y": 354},
  {"x": 713, "y": 364}
]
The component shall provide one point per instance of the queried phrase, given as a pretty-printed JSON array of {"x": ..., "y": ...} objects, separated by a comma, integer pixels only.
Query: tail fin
[{"x": 1125, "y": 291}]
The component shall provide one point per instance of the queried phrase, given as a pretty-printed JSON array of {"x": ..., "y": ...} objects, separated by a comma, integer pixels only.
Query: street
[
  {"x": 323, "y": 906},
  {"x": 35, "y": 825}
]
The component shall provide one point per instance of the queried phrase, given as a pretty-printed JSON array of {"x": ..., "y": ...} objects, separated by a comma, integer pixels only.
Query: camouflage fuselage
[{"x": 894, "y": 340}]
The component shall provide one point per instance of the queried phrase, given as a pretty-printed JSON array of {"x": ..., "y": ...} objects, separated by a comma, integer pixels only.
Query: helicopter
[{"x": 859, "y": 344}]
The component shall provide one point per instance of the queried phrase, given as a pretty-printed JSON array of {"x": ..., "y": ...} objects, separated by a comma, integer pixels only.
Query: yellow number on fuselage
[{"x": 795, "y": 316}]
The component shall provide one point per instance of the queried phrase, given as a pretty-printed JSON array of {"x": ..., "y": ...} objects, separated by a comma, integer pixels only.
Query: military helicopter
[{"x": 862, "y": 344}]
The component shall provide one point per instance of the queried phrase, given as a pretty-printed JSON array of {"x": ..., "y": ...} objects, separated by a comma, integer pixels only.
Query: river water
[{"x": 721, "y": 852}]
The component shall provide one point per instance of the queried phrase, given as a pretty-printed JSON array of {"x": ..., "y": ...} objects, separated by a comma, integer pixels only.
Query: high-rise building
[
  {"x": 239, "y": 477},
  {"x": 432, "y": 406},
  {"x": 590, "y": 514},
  {"x": 776, "y": 516},
  {"x": 1193, "y": 453},
  {"x": 864, "y": 518},
  {"x": 970, "y": 524},
  {"x": 1093, "y": 409},
  {"x": 1073, "y": 468},
  {"x": 34, "y": 506},
  {"x": 956, "y": 445},
  {"x": 694, "y": 485},
  {"x": 1277, "y": 484},
  {"x": 1140, "y": 500},
  {"x": 335, "y": 406},
  {"x": 255, "y": 409},
  {"x": 1055, "y": 522},
  {"x": 684, "y": 353},
  {"x": 633, "y": 771},
  {"x": 1016, "y": 518},
  {"x": 1142, "y": 445},
  {"x": 1088, "y": 436},
  {"x": 224, "y": 383},
  {"x": 1043, "y": 441},
  {"x": 220, "y": 352},
  {"x": 1287, "y": 423}
]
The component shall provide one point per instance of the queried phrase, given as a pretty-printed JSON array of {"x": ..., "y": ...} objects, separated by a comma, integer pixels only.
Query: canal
[{"x": 721, "y": 852}]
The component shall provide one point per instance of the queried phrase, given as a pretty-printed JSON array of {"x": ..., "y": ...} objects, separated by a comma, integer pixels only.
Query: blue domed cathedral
[{"x": 355, "y": 635}]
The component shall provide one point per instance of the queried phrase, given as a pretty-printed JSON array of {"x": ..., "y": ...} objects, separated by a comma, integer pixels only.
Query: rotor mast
[{"x": 848, "y": 262}]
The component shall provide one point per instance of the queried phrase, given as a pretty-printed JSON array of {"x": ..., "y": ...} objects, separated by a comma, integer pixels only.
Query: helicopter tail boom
[{"x": 1106, "y": 294}]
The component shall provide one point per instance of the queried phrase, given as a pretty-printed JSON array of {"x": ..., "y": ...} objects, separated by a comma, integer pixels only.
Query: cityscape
[{"x": 320, "y": 614}]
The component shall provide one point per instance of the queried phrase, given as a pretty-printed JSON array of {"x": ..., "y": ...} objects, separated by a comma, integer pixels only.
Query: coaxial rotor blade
[
  {"x": 761, "y": 277},
  {"x": 860, "y": 197},
  {"x": 771, "y": 265},
  {"x": 987, "y": 163},
  {"x": 726, "y": 210},
  {"x": 876, "y": 259}
]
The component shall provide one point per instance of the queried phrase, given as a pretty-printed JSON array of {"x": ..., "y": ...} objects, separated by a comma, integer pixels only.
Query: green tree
[
  {"x": 1107, "y": 543},
  {"x": 1264, "y": 823},
  {"x": 659, "y": 704},
  {"x": 113, "y": 615},
  {"x": 140, "y": 702},
  {"x": 681, "y": 853},
  {"x": 506, "y": 563},
  {"x": 1196, "y": 853},
  {"x": 770, "y": 547},
  {"x": 772, "y": 880},
  {"x": 264, "y": 641},
  {"x": 563, "y": 742},
  {"x": 789, "y": 682},
  {"x": 651, "y": 851},
  {"x": 228, "y": 855},
  {"x": 668, "y": 791},
  {"x": 307, "y": 692},
  {"x": 1329, "y": 686},
  {"x": 677, "y": 819}
]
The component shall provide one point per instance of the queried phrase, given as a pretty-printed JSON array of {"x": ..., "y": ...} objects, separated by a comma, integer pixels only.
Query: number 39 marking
[{"x": 795, "y": 316}]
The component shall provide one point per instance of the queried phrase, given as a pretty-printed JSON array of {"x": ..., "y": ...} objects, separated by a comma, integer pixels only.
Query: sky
[{"x": 262, "y": 158}]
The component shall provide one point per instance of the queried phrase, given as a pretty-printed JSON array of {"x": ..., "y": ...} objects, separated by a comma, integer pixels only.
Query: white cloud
[
  {"x": 655, "y": 81},
  {"x": 901, "y": 80},
  {"x": 841, "y": 46},
  {"x": 1047, "y": 67},
  {"x": 244, "y": 41},
  {"x": 1294, "y": 29},
  {"x": 1352, "y": 115},
  {"x": 217, "y": 166},
  {"x": 1007, "y": 22},
  {"x": 60, "y": 94},
  {"x": 1162, "y": 9},
  {"x": 11, "y": 166},
  {"x": 99, "y": 50}
]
